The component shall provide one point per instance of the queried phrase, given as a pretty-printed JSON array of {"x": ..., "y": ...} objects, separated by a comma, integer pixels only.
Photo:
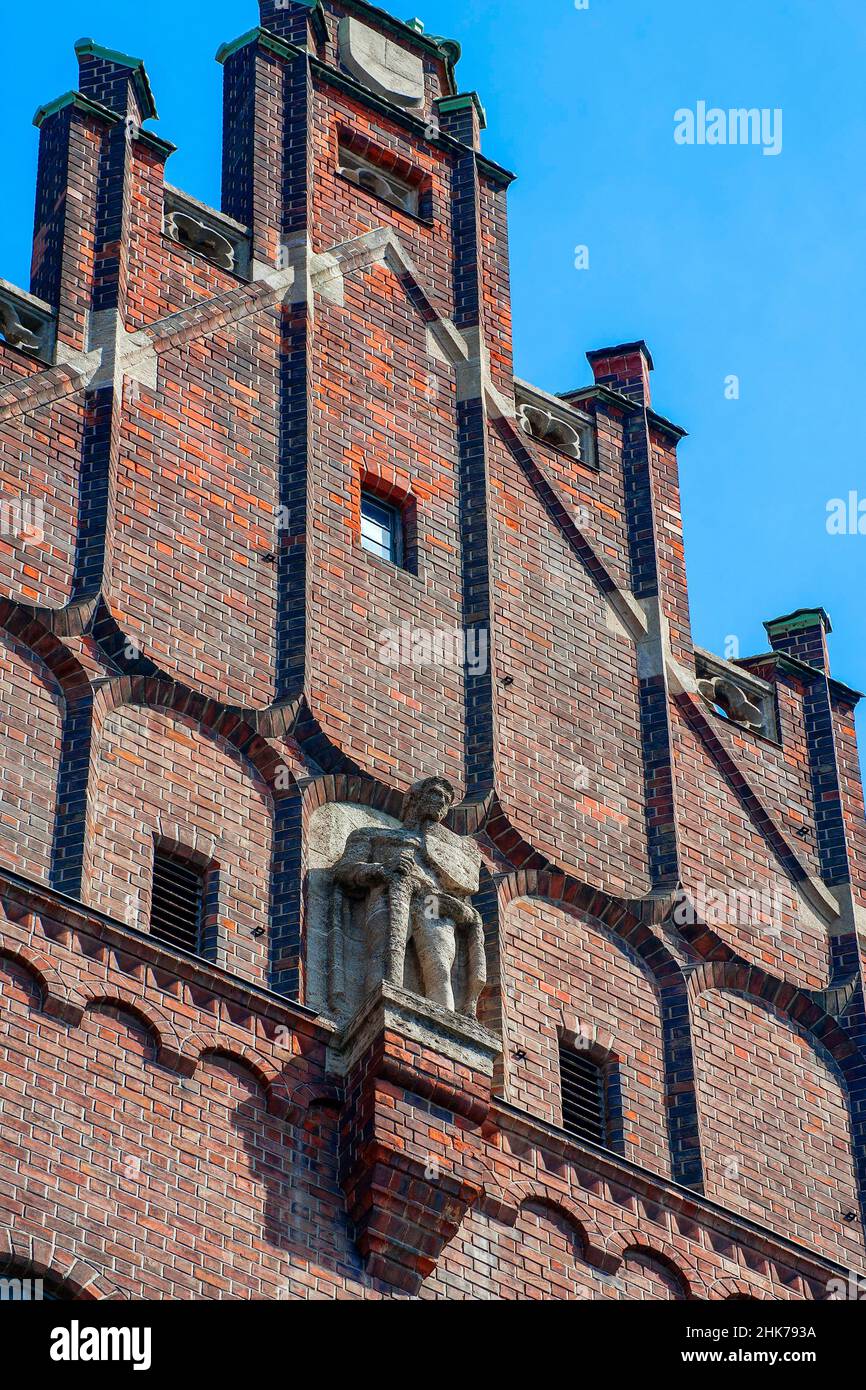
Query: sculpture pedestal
[{"x": 417, "y": 1090}]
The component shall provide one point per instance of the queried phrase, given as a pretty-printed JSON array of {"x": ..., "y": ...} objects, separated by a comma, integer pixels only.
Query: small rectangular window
[
  {"x": 177, "y": 902},
  {"x": 582, "y": 1083},
  {"x": 381, "y": 529}
]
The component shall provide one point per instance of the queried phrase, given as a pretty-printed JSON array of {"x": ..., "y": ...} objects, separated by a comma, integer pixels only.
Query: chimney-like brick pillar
[
  {"x": 650, "y": 480},
  {"x": 82, "y": 189},
  {"x": 463, "y": 117},
  {"x": 802, "y": 634},
  {"x": 626, "y": 368},
  {"x": 266, "y": 108},
  {"x": 288, "y": 18},
  {"x": 120, "y": 83},
  {"x": 115, "y": 80}
]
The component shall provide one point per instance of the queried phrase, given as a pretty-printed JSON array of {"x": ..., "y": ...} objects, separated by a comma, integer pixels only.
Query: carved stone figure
[{"x": 414, "y": 882}]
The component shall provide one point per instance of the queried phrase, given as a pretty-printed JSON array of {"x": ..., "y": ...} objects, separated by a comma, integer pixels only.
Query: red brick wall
[
  {"x": 32, "y": 706},
  {"x": 157, "y": 775},
  {"x": 723, "y": 855},
  {"x": 40, "y": 461},
  {"x": 197, "y": 512},
  {"x": 177, "y": 1141},
  {"x": 775, "y": 1126},
  {"x": 562, "y": 974},
  {"x": 375, "y": 413},
  {"x": 568, "y": 747},
  {"x": 115, "y": 1050}
]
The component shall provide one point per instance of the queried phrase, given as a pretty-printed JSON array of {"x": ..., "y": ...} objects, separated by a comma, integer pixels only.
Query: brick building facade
[{"x": 208, "y": 672}]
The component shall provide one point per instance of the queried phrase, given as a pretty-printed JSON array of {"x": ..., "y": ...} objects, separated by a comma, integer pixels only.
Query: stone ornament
[
  {"x": 551, "y": 429},
  {"x": 367, "y": 176},
  {"x": 198, "y": 236},
  {"x": 15, "y": 331},
  {"x": 395, "y": 906},
  {"x": 734, "y": 702},
  {"x": 380, "y": 64}
]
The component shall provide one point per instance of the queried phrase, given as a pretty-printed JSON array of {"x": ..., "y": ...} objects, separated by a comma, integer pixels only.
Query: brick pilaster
[
  {"x": 626, "y": 368},
  {"x": 460, "y": 117}
]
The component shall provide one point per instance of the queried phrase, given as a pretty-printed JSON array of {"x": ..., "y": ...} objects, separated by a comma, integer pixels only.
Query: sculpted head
[{"x": 429, "y": 799}]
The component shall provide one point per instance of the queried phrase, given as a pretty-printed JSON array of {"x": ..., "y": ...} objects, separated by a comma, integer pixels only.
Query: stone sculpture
[{"x": 414, "y": 881}]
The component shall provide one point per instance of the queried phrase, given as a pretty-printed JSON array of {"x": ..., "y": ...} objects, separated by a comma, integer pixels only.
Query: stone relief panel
[
  {"x": 390, "y": 900},
  {"x": 380, "y": 64}
]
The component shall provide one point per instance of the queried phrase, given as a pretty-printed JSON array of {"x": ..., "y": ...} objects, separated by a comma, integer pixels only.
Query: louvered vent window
[
  {"x": 583, "y": 1096},
  {"x": 177, "y": 903}
]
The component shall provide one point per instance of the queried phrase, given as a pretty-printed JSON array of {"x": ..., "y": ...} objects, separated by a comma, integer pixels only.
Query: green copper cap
[
  {"x": 88, "y": 48},
  {"x": 800, "y": 618}
]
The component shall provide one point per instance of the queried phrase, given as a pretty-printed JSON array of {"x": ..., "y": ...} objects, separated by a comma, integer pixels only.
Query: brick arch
[
  {"x": 162, "y": 759},
  {"x": 266, "y": 1076},
  {"x": 20, "y": 979},
  {"x": 598, "y": 1041},
  {"x": 308, "y": 1096},
  {"x": 578, "y": 1216},
  {"x": 620, "y": 924},
  {"x": 550, "y": 1238},
  {"x": 157, "y": 1022},
  {"x": 29, "y": 1254},
  {"x": 69, "y": 683},
  {"x": 355, "y": 789},
  {"x": 59, "y": 1000},
  {"x": 30, "y": 631},
  {"x": 245, "y": 736},
  {"x": 679, "y": 1263},
  {"x": 229, "y": 725},
  {"x": 798, "y": 1005},
  {"x": 734, "y": 1288},
  {"x": 390, "y": 483},
  {"x": 198, "y": 1047},
  {"x": 359, "y": 789},
  {"x": 805, "y": 1012},
  {"x": 618, "y": 917},
  {"x": 776, "y": 1116},
  {"x": 509, "y": 843}
]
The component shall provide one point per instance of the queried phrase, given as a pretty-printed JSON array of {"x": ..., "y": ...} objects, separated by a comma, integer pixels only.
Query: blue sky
[{"x": 727, "y": 261}]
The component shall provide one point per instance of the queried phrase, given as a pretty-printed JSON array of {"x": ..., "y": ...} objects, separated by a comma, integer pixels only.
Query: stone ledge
[{"x": 389, "y": 1009}]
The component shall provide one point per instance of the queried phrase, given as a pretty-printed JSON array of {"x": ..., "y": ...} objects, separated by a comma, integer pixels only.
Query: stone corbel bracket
[
  {"x": 409, "y": 1181},
  {"x": 26, "y": 323}
]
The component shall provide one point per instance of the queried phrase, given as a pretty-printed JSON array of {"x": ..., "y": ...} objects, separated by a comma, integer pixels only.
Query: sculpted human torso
[{"x": 417, "y": 880}]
